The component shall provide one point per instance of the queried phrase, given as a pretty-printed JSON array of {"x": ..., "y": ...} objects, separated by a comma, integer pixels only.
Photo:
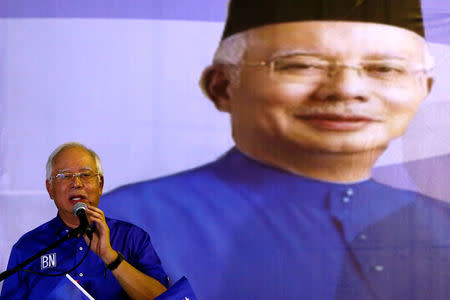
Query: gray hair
[
  {"x": 49, "y": 165},
  {"x": 429, "y": 60},
  {"x": 230, "y": 52},
  {"x": 232, "y": 49}
]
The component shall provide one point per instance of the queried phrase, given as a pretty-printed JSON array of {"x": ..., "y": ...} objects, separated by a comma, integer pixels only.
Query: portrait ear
[
  {"x": 216, "y": 85},
  {"x": 430, "y": 82},
  {"x": 49, "y": 187},
  {"x": 101, "y": 183}
]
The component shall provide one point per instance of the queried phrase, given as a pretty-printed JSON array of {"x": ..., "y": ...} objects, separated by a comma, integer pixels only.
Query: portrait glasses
[
  {"x": 310, "y": 69},
  {"x": 67, "y": 177}
]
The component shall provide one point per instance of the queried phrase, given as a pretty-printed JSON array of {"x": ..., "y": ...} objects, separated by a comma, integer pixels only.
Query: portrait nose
[
  {"x": 76, "y": 182},
  {"x": 342, "y": 83}
]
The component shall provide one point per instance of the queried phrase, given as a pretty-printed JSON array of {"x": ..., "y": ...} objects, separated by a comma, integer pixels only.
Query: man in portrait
[{"x": 315, "y": 91}]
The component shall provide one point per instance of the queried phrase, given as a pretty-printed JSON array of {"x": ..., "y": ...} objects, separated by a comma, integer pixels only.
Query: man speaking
[
  {"x": 315, "y": 90},
  {"x": 122, "y": 264}
]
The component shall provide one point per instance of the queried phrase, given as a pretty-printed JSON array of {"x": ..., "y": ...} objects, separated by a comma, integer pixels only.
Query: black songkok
[{"x": 247, "y": 14}]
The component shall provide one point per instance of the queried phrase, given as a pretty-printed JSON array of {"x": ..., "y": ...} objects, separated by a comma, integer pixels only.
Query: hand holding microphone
[
  {"x": 79, "y": 210},
  {"x": 100, "y": 240}
]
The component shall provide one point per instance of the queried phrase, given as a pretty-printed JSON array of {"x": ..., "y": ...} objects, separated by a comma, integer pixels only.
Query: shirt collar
[
  {"x": 251, "y": 175},
  {"x": 58, "y": 227},
  {"x": 356, "y": 205}
]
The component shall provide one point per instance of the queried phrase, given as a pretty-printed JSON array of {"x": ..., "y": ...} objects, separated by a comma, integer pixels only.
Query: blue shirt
[
  {"x": 133, "y": 242},
  {"x": 239, "y": 229}
]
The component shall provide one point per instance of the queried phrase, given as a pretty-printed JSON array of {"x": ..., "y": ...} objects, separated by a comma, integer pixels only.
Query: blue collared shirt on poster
[
  {"x": 133, "y": 242},
  {"x": 239, "y": 229}
]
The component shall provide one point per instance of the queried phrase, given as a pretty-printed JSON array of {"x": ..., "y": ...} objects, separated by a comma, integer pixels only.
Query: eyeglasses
[
  {"x": 85, "y": 177},
  {"x": 310, "y": 69}
]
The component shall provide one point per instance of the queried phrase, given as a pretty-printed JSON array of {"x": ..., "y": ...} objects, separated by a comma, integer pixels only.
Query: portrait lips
[{"x": 337, "y": 121}]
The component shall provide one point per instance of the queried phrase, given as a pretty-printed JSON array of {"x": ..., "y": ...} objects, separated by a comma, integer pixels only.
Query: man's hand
[
  {"x": 101, "y": 244},
  {"x": 135, "y": 283}
]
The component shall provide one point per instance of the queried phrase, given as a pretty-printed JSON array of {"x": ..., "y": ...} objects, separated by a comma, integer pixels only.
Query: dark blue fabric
[
  {"x": 239, "y": 229},
  {"x": 133, "y": 242},
  {"x": 181, "y": 290}
]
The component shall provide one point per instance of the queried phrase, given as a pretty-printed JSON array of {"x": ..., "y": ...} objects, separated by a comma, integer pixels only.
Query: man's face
[
  {"x": 343, "y": 112},
  {"x": 67, "y": 192}
]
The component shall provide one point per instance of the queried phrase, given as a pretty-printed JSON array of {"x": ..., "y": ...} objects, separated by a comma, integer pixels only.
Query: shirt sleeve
[{"x": 14, "y": 287}]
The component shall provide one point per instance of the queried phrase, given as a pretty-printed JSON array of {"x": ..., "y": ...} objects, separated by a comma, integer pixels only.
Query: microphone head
[{"x": 79, "y": 205}]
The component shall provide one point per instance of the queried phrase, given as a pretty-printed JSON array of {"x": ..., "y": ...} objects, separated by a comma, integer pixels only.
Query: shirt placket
[{"x": 361, "y": 266}]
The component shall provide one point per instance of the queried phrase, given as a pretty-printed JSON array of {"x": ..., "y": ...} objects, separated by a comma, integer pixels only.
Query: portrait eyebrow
[
  {"x": 385, "y": 57},
  {"x": 86, "y": 169},
  {"x": 314, "y": 53},
  {"x": 293, "y": 52}
]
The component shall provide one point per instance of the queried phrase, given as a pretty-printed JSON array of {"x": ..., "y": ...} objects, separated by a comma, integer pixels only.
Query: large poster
[{"x": 122, "y": 77}]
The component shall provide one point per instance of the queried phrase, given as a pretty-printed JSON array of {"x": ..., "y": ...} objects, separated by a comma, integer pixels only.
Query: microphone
[{"x": 79, "y": 210}]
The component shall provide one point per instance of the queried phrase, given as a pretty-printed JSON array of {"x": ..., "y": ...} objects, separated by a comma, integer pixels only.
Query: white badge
[{"x": 48, "y": 261}]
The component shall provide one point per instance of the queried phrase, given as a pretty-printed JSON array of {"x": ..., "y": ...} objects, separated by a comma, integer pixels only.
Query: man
[
  {"x": 74, "y": 174},
  {"x": 315, "y": 91}
]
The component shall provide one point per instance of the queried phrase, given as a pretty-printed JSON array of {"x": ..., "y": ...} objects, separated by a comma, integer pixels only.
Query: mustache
[{"x": 339, "y": 111}]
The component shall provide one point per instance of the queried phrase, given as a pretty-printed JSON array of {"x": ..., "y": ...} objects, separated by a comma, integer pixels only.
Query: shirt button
[
  {"x": 349, "y": 192},
  {"x": 67, "y": 230},
  {"x": 362, "y": 237},
  {"x": 378, "y": 268},
  {"x": 81, "y": 274},
  {"x": 346, "y": 199},
  {"x": 81, "y": 248}
]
